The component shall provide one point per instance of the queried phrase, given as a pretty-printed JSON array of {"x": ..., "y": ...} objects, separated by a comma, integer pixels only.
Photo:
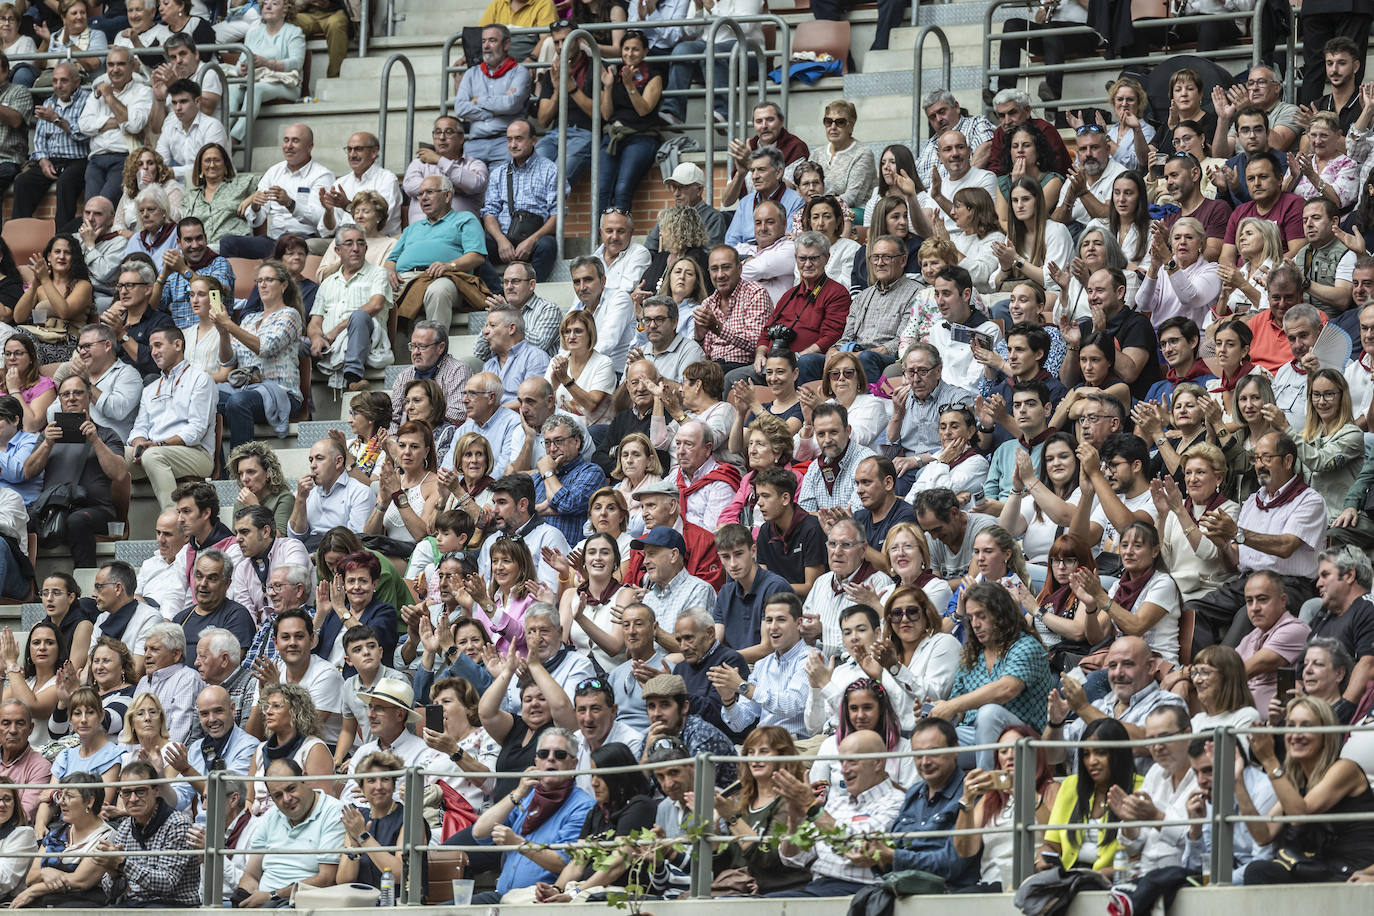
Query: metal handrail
[
  {"x": 737, "y": 93},
  {"x": 382, "y": 105},
  {"x": 564, "y": 62},
  {"x": 946, "y": 69}
]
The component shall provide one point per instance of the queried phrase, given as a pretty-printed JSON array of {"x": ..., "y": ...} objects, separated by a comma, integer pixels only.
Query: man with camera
[{"x": 81, "y": 465}]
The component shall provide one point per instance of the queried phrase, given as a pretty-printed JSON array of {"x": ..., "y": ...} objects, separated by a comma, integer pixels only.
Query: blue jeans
[
  {"x": 242, "y": 407},
  {"x": 993, "y": 719},
  {"x": 621, "y": 172},
  {"x": 24, "y": 75},
  {"x": 579, "y": 151},
  {"x": 104, "y": 176},
  {"x": 684, "y": 74}
]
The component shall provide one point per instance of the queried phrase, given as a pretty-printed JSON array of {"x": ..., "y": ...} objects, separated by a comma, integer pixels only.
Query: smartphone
[
  {"x": 731, "y": 789},
  {"x": 1286, "y": 680},
  {"x": 428, "y": 146},
  {"x": 70, "y": 424},
  {"x": 1001, "y": 780},
  {"x": 961, "y": 334},
  {"x": 216, "y": 300},
  {"x": 434, "y": 717}
]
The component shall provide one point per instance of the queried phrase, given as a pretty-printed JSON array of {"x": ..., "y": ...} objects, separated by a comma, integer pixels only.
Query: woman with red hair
[{"x": 351, "y": 597}]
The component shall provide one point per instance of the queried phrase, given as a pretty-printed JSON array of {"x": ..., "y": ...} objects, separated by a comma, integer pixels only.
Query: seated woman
[
  {"x": 203, "y": 338},
  {"x": 473, "y": 494},
  {"x": 1069, "y": 628},
  {"x": 35, "y": 392},
  {"x": 1026, "y": 154},
  {"x": 897, "y": 175},
  {"x": 94, "y": 752},
  {"x": 424, "y": 402},
  {"x": 1327, "y": 172},
  {"x": 959, "y": 466},
  {"x": 809, "y": 179},
  {"x": 915, "y": 650},
  {"x": 908, "y": 554},
  {"x": 408, "y": 492},
  {"x": 1128, "y": 219},
  {"x": 608, "y": 514},
  {"x": 1026, "y": 306},
  {"x": 1258, "y": 251},
  {"x": 1083, "y": 799},
  {"x": 1097, "y": 248},
  {"x": 933, "y": 256},
  {"x": 1189, "y": 288},
  {"x": 846, "y": 384},
  {"x": 688, "y": 285},
  {"x": 1041, "y": 504},
  {"x": 850, "y": 171},
  {"x": 145, "y": 168},
  {"x": 354, "y": 598},
  {"x": 996, "y": 557},
  {"x": 892, "y": 216},
  {"x": 582, "y": 378},
  {"x": 1216, "y": 688},
  {"x": 157, "y": 231},
  {"x": 58, "y": 304},
  {"x": 757, "y": 808},
  {"x": 977, "y": 236},
  {"x": 17, "y": 837},
  {"x": 769, "y": 444},
  {"x": 292, "y": 726},
  {"x": 1330, "y": 445},
  {"x": 145, "y": 738},
  {"x": 500, "y": 607},
  {"x": 588, "y": 612},
  {"x": 369, "y": 212},
  {"x": 13, "y": 43},
  {"x": 337, "y": 544},
  {"x": 292, "y": 251},
  {"x": 637, "y": 463},
  {"x": 1313, "y": 779},
  {"x": 55, "y": 880},
  {"x": 261, "y": 481},
  {"x": 1187, "y": 92},
  {"x": 463, "y": 729},
  {"x": 1325, "y": 672},
  {"x": 1192, "y": 558},
  {"x": 61, "y": 597},
  {"x": 219, "y": 195},
  {"x": 780, "y": 375},
  {"x": 76, "y": 34},
  {"x": 681, "y": 234},
  {"x": 1184, "y": 425},
  {"x": 987, "y": 807},
  {"x": 379, "y": 825},
  {"x": 1097, "y": 367},
  {"x": 34, "y": 683},
  {"x": 1033, "y": 239},
  {"x": 865, "y": 705},
  {"x": 1130, "y": 136},
  {"x": 1004, "y": 674},
  {"x": 278, "y": 47},
  {"x": 1145, "y": 602}
]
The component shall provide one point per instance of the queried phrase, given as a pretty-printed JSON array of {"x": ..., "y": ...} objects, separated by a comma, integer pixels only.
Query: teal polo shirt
[
  {"x": 322, "y": 829},
  {"x": 424, "y": 243}
]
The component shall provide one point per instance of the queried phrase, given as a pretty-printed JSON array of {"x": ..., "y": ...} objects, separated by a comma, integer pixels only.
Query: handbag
[{"x": 523, "y": 223}]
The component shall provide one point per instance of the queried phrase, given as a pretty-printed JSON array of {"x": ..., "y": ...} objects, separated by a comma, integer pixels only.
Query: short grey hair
[
  {"x": 154, "y": 194},
  {"x": 562, "y": 419},
  {"x": 545, "y": 610},
  {"x": 221, "y": 640},
  {"x": 1304, "y": 312},
  {"x": 226, "y": 562},
  {"x": 935, "y": 96},
  {"x": 929, "y": 349},
  {"x": 815, "y": 241},
  {"x": 296, "y": 574},
  {"x": 588, "y": 260},
  {"x": 1340, "y": 655},
  {"x": 172, "y": 637},
  {"x": 147, "y": 273},
  {"x": 445, "y": 184},
  {"x": 511, "y": 315},
  {"x": 439, "y": 328},
  {"x": 15, "y": 701},
  {"x": 698, "y": 615},
  {"x": 1350, "y": 559},
  {"x": 1019, "y": 97},
  {"x": 707, "y": 437},
  {"x": 771, "y": 153},
  {"x": 569, "y": 737}
]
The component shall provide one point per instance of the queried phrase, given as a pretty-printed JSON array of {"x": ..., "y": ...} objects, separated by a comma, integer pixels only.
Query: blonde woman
[
  {"x": 681, "y": 234},
  {"x": 1259, "y": 250},
  {"x": 1330, "y": 445},
  {"x": 1131, "y": 135},
  {"x": 369, "y": 212},
  {"x": 1191, "y": 557},
  {"x": 907, "y": 554}
]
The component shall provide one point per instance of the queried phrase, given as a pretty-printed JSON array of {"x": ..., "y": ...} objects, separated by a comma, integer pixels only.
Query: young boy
[
  {"x": 364, "y": 653},
  {"x": 452, "y": 529}
]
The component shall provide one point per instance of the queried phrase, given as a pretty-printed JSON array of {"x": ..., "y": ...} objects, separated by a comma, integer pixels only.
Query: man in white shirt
[
  {"x": 168, "y": 677},
  {"x": 846, "y": 568},
  {"x": 161, "y": 579},
  {"x": 955, "y": 156},
  {"x": 187, "y": 130},
  {"x": 328, "y": 496},
  {"x": 175, "y": 431},
  {"x": 287, "y": 198},
  {"x": 183, "y": 63},
  {"x": 625, "y": 260},
  {"x": 115, "y": 118},
  {"x": 364, "y": 175},
  {"x": 953, "y": 296},
  {"x": 1087, "y": 193},
  {"x": 293, "y": 633},
  {"x": 347, "y": 329},
  {"x": 1164, "y": 794},
  {"x": 612, "y": 309},
  {"x": 116, "y": 386},
  {"x": 103, "y": 249},
  {"x": 770, "y": 260},
  {"x": 1122, "y": 487}
]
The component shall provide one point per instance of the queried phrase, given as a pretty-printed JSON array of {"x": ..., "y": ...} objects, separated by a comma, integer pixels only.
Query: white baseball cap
[{"x": 686, "y": 173}]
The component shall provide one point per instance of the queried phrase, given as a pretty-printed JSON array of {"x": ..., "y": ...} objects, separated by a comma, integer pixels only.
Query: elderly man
[
  {"x": 161, "y": 579},
  {"x": 943, "y": 112},
  {"x": 429, "y": 358},
  {"x": 1264, "y": 91},
  {"x": 625, "y": 259},
  {"x": 1270, "y": 347},
  {"x": 219, "y": 661},
  {"x": 429, "y": 251},
  {"x": 223, "y": 746},
  {"x": 1302, "y": 324},
  {"x": 525, "y": 186},
  {"x": 170, "y": 679},
  {"x": 695, "y": 632},
  {"x": 1169, "y": 782},
  {"x": 669, "y": 587},
  {"x": 192, "y": 256},
  {"x": 19, "y": 762},
  {"x": 1278, "y": 640},
  {"x": 299, "y": 818},
  {"x": 534, "y": 401},
  {"x": 543, "y": 644},
  {"x": 94, "y": 468},
  {"x": 170, "y": 881},
  {"x": 729, "y": 324},
  {"x": 175, "y": 431},
  {"x": 122, "y": 615},
  {"x": 776, "y": 691},
  {"x": 348, "y": 322},
  {"x": 16, "y": 446},
  {"x": 262, "y": 550},
  {"x": 1281, "y": 527},
  {"x": 829, "y": 481},
  {"x": 133, "y": 318},
  {"x": 188, "y": 130},
  {"x": 214, "y": 569},
  {"x": 58, "y": 152},
  {"x": 846, "y": 569},
  {"x": 482, "y": 397},
  {"x": 1012, "y": 106},
  {"x": 643, "y": 660},
  {"x": 102, "y": 247},
  {"x": 659, "y": 503},
  {"x": 504, "y": 823},
  {"x": 1087, "y": 190},
  {"x": 765, "y": 168},
  {"x": 328, "y": 496},
  {"x": 916, "y": 404},
  {"x": 641, "y": 383},
  {"x": 293, "y": 634},
  {"x": 1133, "y": 697},
  {"x": 956, "y": 173},
  {"x": 669, "y": 350},
  {"x": 287, "y": 199},
  {"x": 492, "y": 97},
  {"x": 612, "y": 311},
  {"x": 390, "y": 712},
  {"x": 117, "y": 109},
  {"x": 770, "y": 258},
  {"x": 707, "y": 486},
  {"x": 448, "y": 158},
  {"x": 567, "y": 478},
  {"x": 513, "y": 359},
  {"x": 685, "y": 185},
  {"x": 364, "y": 174},
  {"x": 541, "y": 316}
]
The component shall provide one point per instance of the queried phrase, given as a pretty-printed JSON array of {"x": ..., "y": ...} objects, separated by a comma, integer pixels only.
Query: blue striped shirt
[
  {"x": 176, "y": 292},
  {"x": 50, "y": 141}
]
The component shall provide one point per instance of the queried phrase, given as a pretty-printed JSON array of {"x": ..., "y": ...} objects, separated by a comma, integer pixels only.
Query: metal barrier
[
  {"x": 382, "y": 105},
  {"x": 227, "y": 116},
  {"x": 990, "y": 73},
  {"x": 584, "y": 37},
  {"x": 917, "y": 78}
]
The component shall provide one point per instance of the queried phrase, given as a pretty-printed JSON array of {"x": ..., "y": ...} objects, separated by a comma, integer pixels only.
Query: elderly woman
[
  {"x": 637, "y": 463},
  {"x": 277, "y": 47},
  {"x": 850, "y": 171},
  {"x": 582, "y": 377},
  {"x": 809, "y": 178},
  {"x": 1259, "y": 249},
  {"x": 1097, "y": 248},
  {"x": 769, "y": 444},
  {"x": 261, "y": 482},
  {"x": 218, "y": 195},
  {"x": 74, "y": 880},
  {"x": 145, "y": 168},
  {"x": 471, "y": 492},
  {"x": 13, "y": 43},
  {"x": 369, "y": 212},
  {"x": 176, "y": 16},
  {"x": 379, "y": 824},
  {"x": 1325, "y": 170},
  {"x": 157, "y": 232},
  {"x": 1191, "y": 557},
  {"x": 75, "y": 35},
  {"x": 1180, "y": 280}
]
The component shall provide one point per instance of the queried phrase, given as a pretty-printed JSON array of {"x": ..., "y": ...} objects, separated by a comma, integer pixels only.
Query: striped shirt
[
  {"x": 826, "y": 603},
  {"x": 14, "y": 141},
  {"x": 741, "y": 323},
  {"x": 873, "y": 810},
  {"x": 176, "y": 292},
  {"x": 813, "y": 494},
  {"x": 52, "y": 141},
  {"x": 781, "y": 692}
]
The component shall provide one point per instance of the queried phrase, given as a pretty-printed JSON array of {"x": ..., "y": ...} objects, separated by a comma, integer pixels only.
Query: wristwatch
[
  {"x": 1172, "y": 265},
  {"x": 1240, "y": 537},
  {"x": 457, "y": 756},
  {"x": 546, "y": 475},
  {"x": 364, "y": 837},
  {"x": 1277, "y": 772}
]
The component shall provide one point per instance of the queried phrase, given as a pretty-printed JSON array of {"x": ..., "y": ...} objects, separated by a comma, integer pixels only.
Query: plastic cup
[
  {"x": 462, "y": 891},
  {"x": 115, "y": 529}
]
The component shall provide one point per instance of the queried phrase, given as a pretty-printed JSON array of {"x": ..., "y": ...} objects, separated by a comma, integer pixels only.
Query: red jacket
[{"x": 702, "y": 559}]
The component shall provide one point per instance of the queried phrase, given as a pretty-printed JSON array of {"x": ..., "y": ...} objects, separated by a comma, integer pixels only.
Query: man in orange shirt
[{"x": 1270, "y": 347}]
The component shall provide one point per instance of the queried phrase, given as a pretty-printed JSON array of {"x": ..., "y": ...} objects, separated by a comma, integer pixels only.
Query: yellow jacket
[{"x": 1063, "y": 814}]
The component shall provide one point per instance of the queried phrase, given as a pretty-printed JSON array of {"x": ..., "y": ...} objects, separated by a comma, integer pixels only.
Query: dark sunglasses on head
[
  {"x": 593, "y": 683},
  {"x": 1186, "y": 157},
  {"x": 557, "y": 753},
  {"x": 561, "y": 24},
  {"x": 620, "y": 210},
  {"x": 1090, "y": 129}
]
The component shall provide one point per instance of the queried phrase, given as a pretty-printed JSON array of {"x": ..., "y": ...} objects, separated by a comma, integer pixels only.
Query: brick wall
[
  {"x": 45, "y": 210},
  {"x": 650, "y": 197}
]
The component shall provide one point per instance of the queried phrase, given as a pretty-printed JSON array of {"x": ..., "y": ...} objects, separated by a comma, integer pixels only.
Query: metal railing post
[
  {"x": 561, "y": 211},
  {"x": 1023, "y": 813},
  {"x": 1223, "y": 803},
  {"x": 703, "y": 814},
  {"x": 382, "y": 104},
  {"x": 709, "y": 77},
  {"x": 364, "y": 29},
  {"x": 413, "y": 834},
  {"x": 212, "y": 870},
  {"x": 446, "y": 74},
  {"x": 946, "y": 71}
]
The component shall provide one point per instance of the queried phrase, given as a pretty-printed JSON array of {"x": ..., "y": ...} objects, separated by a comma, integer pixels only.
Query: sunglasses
[
  {"x": 593, "y": 683},
  {"x": 622, "y": 211},
  {"x": 1090, "y": 129},
  {"x": 1186, "y": 157},
  {"x": 557, "y": 753},
  {"x": 842, "y": 373},
  {"x": 561, "y": 24},
  {"x": 910, "y": 612}
]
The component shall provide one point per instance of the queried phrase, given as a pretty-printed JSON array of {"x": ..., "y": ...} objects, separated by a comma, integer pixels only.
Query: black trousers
[
  {"x": 31, "y": 185},
  {"x": 891, "y": 14},
  {"x": 1317, "y": 29},
  {"x": 1052, "y": 49},
  {"x": 1221, "y": 616}
]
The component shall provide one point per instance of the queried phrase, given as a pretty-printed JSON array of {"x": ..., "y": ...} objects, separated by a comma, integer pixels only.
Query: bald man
[
  {"x": 161, "y": 580},
  {"x": 364, "y": 174},
  {"x": 287, "y": 199},
  {"x": 224, "y": 746},
  {"x": 502, "y": 428},
  {"x": 328, "y": 496}
]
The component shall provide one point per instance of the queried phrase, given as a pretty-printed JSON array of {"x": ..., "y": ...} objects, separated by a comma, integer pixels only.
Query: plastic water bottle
[
  {"x": 388, "y": 897},
  {"x": 1121, "y": 869}
]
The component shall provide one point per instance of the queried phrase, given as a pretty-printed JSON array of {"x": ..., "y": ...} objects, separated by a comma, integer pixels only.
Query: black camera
[{"x": 782, "y": 335}]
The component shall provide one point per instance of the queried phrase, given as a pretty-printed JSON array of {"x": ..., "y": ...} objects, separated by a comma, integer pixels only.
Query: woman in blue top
[
  {"x": 278, "y": 48},
  {"x": 1004, "y": 674},
  {"x": 95, "y": 752}
]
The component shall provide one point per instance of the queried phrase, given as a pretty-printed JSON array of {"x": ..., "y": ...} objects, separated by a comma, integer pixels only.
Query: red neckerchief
[
  {"x": 106, "y": 237},
  {"x": 507, "y": 66},
  {"x": 1368, "y": 367},
  {"x": 1297, "y": 367},
  {"x": 585, "y": 591},
  {"x": 925, "y": 576},
  {"x": 1287, "y": 493},
  {"x": 1198, "y": 370},
  {"x": 476, "y": 489},
  {"x": 1217, "y": 499},
  {"x": 726, "y": 473},
  {"x": 1035, "y": 440},
  {"x": 968, "y": 453},
  {"x": 152, "y": 242},
  {"x": 210, "y": 256},
  {"x": 1229, "y": 382},
  {"x": 1128, "y": 590},
  {"x": 860, "y": 576}
]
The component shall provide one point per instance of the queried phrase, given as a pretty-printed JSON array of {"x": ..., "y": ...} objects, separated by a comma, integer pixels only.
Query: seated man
[
  {"x": 765, "y": 167},
  {"x": 364, "y": 174},
  {"x": 390, "y": 710},
  {"x": 117, "y": 109},
  {"x": 543, "y": 643},
  {"x": 327, "y": 19},
  {"x": 262, "y": 550},
  {"x": 58, "y": 152},
  {"x": 170, "y": 679},
  {"x": 659, "y": 502},
  {"x": 950, "y": 531},
  {"x": 598, "y": 723},
  {"x": 513, "y": 359},
  {"x": 513, "y": 209},
  {"x": 1163, "y": 796},
  {"x": 1179, "y": 343},
  {"x": 642, "y": 654},
  {"x": 102, "y": 248},
  {"x": 534, "y": 402},
  {"x": 830, "y": 679},
  {"x": 184, "y": 63},
  {"x": 567, "y": 479},
  {"x": 1302, "y": 325},
  {"x": 875, "y": 482},
  {"x": 197, "y": 509},
  {"x": 515, "y": 513},
  {"x": 770, "y": 129},
  {"x": 542, "y": 317},
  {"x": 447, "y": 158},
  {"x": 707, "y": 485},
  {"x": 669, "y": 351},
  {"x": 491, "y": 98},
  {"x": 770, "y": 256},
  {"x": 287, "y": 199},
  {"x": 956, "y": 172},
  {"x": 666, "y": 702},
  {"x": 299, "y": 818},
  {"x": 729, "y": 323},
  {"x": 695, "y": 632},
  {"x": 738, "y": 611},
  {"x": 1327, "y": 264},
  {"x": 1183, "y": 182},
  {"x": 1090, "y": 196},
  {"x": 641, "y": 381},
  {"x": 224, "y": 746},
  {"x": 162, "y": 881},
  {"x": 175, "y": 431},
  {"x": 19, "y": 762},
  {"x": 429, "y": 251},
  {"x": 847, "y": 565},
  {"x": 191, "y": 256},
  {"x": 122, "y": 615},
  {"x": 686, "y": 184},
  {"x": 668, "y": 586},
  {"x": 218, "y": 659},
  {"x": 917, "y": 401},
  {"x": 777, "y": 689},
  {"x": 348, "y": 322},
  {"x": 1254, "y": 795},
  {"x": 625, "y": 259},
  {"x": 790, "y": 540},
  {"x": 133, "y": 318},
  {"x": 212, "y": 608},
  {"x": 115, "y": 385},
  {"x": 328, "y": 496},
  {"x": 1030, "y": 413},
  {"x": 293, "y": 634},
  {"x": 429, "y": 358},
  {"x": 188, "y": 130},
  {"x": 829, "y": 481},
  {"x": 934, "y": 803}
]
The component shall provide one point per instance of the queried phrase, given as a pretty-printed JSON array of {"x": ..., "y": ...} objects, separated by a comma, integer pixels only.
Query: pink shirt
[
  {"x": 43, "y": 384},
  {"x": 1287, "y": 637},
  {"x": 31, "y": 767}
]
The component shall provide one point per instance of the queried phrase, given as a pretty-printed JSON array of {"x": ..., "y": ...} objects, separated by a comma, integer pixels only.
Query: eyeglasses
[
  {"x": 557, "y": 440},
  {"x": 557, "y": 753},
  {"x": 123, "y": 286},
  {"x": 1063, "y": 561},
  {"x": 1316, "y": 395},
  {"x": 842, "y": 373},
  {"x": 843, "y": 545},
  {"x": 1259, "y": 83},
  {"x": 655, "y": 319},
  {"x": 834, "y": 122},
  {"x": 910, "y": 612},
  {"x": 417, "y": 347},
  {"x": 877, "y": 258},
  {"x": 357, "y": 149},
  {"x": 52, "y": 593},
  {"x": 918, "y": 372},
  {"x": 1089, "y": 419},
  {"x": 103, "y": 584},
  {"x": 133, "y": 792},
  {"x": 445, "y": 132},
  {"x": 467, "y": 393},
  {"x": 810, "y": 258}
]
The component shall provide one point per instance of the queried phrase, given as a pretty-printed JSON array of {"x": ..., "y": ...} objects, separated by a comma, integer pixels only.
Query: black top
[
  {"x": 622, "y": 424},
  {"x": 1129, "y": 328},
  {"x": 543, "y": 89},
  {"x": 230, "y": 615},
  {"x": 75, "y": 464},
  {"x": 387, "y": 832},
  {"x": 623, "y": 111},
  {"x": 516, "y": 757},
  {"x": 1354, "y": 628},
  {"x": 153, "y": 319},
  {"x": 876, "y": 532},
  {"x": 789, "y": 554}
]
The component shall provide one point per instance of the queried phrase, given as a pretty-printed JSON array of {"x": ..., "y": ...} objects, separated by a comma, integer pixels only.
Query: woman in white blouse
[
  {"x": 582, "y": 378},
  {"x": 908, "y": 555},
  {"x": 979, "y": 232},
  {"x": 958, "y": 466},
  {"x": 1258, "y": 250},
  {"x": 1179, "y": 281},
  {"x": 202, "y": 338},
  {"x": 1033, "y": 239},
  {"x": 1128, "y": 219},
  {"x": 845, "y": 383},
  {"x": 921, "y": 658},
  {"x": 1097, "y": 248},
  {"x": 1041, "y": 505},
  {"x": 1145, "y": 602},
  {"x": 1193, "y": 558}
]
